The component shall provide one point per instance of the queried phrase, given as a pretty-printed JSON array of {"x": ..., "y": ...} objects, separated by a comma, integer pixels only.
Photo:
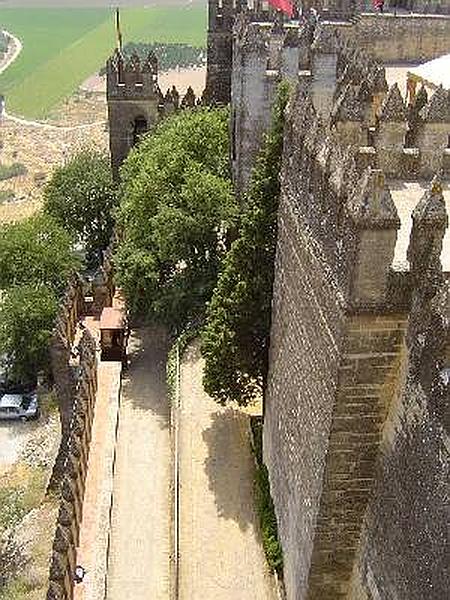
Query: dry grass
[
  {"x": 37, "y": 537},
  {"x": 41, "y": 150},
  {"x": 31, "y": 514}
]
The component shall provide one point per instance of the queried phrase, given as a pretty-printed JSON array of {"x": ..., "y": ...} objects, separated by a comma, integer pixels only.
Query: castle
[{"x": 356, "y": 426}]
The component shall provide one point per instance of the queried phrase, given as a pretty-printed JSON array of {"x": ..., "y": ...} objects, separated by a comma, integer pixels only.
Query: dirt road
[{"x": 221, "y": 556}]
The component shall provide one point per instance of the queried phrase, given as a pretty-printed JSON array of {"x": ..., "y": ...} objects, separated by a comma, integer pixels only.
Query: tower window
[{"x": 139, "y": 128}]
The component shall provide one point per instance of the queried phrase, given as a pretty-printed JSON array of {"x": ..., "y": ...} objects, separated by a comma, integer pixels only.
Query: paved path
[
  {"x": 221, "y": 557},
  {"x": 139, "y": 556}
]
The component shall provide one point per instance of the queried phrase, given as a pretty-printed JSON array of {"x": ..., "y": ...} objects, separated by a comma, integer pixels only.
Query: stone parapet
[
  {"x": 71, "y": 490},
  {"x": 402, "y": 37}
]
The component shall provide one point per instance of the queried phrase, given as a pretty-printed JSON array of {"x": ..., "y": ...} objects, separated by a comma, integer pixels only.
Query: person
[
  {"x": 79, "y": 574},
  {"x": 379, "y": 5}
]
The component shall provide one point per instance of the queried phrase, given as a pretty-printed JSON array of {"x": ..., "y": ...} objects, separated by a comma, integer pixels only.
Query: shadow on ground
[
  {"x": 144, "y": 384},
  {"x": 229, "y": 466}
]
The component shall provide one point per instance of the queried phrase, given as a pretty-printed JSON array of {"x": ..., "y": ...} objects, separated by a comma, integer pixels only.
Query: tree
[
  {"x": 177, "y": 202},
  {"x": 235, "y": 340},
  {"x": 36, "y": 251},
  {"x": 27, "y": 314},
  {"x": 81, "y": 196}
]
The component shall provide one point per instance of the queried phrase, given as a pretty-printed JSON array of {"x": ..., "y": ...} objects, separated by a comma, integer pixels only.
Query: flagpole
[
  {"x": 119, "y": 47},
  {"x": 118, "y": 31}
]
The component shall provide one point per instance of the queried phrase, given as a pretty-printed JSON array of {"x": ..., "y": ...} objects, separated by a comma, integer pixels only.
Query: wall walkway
[{"x": 221, "y": 554}]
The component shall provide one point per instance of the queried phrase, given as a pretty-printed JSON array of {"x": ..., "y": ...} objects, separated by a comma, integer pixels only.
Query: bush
[
  {"x": 265, "y": 507},
  {"x": 10, "y": 171}
]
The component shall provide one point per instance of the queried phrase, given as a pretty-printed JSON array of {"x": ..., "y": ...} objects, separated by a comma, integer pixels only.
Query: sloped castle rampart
[{"x": 358, "y": 388}]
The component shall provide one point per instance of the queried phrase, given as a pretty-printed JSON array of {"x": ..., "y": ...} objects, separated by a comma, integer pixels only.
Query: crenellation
[
  {"x": 390, "y": 133},
  {"x": 430, "y": 221},
  {"x": 433, "y": 132}
]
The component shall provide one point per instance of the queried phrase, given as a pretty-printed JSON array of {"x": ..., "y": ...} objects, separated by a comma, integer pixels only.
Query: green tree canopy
[
  {"x": 27, "y": 315},
  {"x": 81, "y": 196},
  {"x": 177, "y": 203},
  {"x": 235, "y": 340},
  {"x": 37, "y": 251}
]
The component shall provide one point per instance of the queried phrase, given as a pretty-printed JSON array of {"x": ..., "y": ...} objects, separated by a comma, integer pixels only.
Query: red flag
[{"x": 287, "y": 6}]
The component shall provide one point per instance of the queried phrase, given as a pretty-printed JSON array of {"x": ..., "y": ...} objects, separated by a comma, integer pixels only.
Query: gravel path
[
  {"x": 220, "y": 548},
  {"x": 13, "y": 437},
  {"x": 139, "y": 558}
]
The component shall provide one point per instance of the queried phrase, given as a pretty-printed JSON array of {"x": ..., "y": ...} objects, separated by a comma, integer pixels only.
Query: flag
[
  {"x": 119, "y": 33},
  {"x": 286, "y": 6}
]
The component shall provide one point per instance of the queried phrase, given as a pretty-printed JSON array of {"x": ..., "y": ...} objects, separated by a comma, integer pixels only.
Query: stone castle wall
[
  {"x": 405, "y": 544},
  {"x": 72, "y": 486},
  {"x": 307, "y": 307},
  {"x": 399, "y": 38},
  {"x": 340, "y": 360}
]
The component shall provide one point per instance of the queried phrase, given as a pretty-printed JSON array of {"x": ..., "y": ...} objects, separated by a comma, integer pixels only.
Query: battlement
[
  {"x": 351, "y": 212},
  {"x": 133, "y": 77},
  {"x": 410, "y": 142}
]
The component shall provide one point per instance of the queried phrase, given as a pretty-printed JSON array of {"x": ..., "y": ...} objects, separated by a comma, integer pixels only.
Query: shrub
[
  {"x": 235, "y": 340},
  {"x": 10, "y": 171},
  {"x": 265, "y": 507},
  {"x": 7, "y": 196}
]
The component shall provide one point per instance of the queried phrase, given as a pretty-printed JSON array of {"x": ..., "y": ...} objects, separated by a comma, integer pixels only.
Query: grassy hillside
[{"x": 63, "y": 47}]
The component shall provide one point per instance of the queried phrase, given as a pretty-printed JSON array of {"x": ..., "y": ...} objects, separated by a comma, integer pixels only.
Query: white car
[{"x": 19, "y": 406}]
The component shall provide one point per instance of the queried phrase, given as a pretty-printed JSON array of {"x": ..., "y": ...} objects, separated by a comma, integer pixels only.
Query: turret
[
  {"x": 133, "y": 101},
  {"x": 324, "y": 71},
  {"x": 376, "y": 222},
  {"x": 253, "y": 92},
  {"x": 221, "y": 15}
]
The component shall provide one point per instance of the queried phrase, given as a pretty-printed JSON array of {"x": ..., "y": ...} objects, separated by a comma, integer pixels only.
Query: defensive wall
[
  {"x": 347, "y": 327},
  {"x": 401, "y": 37},
  {"x": 74, "y": 367},
  {"x": 359, "y": 341},
  {"x": 62, "y": 566}
]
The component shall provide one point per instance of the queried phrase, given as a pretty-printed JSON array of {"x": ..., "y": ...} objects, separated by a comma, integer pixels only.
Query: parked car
[{"x": 19, "y": 405}]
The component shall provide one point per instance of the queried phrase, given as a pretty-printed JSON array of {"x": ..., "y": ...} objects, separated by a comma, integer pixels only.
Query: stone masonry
[
  {"x": 136, "y": 103},
  {"x": 358, "y": 342},
  {"x": 338, "y": 347}
]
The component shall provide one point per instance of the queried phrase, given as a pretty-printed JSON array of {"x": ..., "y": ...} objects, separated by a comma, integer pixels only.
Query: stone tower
[
  {"x": 133, "y": 102},
  {"x": 221, "y": 15}
]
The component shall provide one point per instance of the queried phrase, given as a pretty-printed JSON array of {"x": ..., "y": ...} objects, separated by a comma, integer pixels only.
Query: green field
[{"x": 62, "y": 47}]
